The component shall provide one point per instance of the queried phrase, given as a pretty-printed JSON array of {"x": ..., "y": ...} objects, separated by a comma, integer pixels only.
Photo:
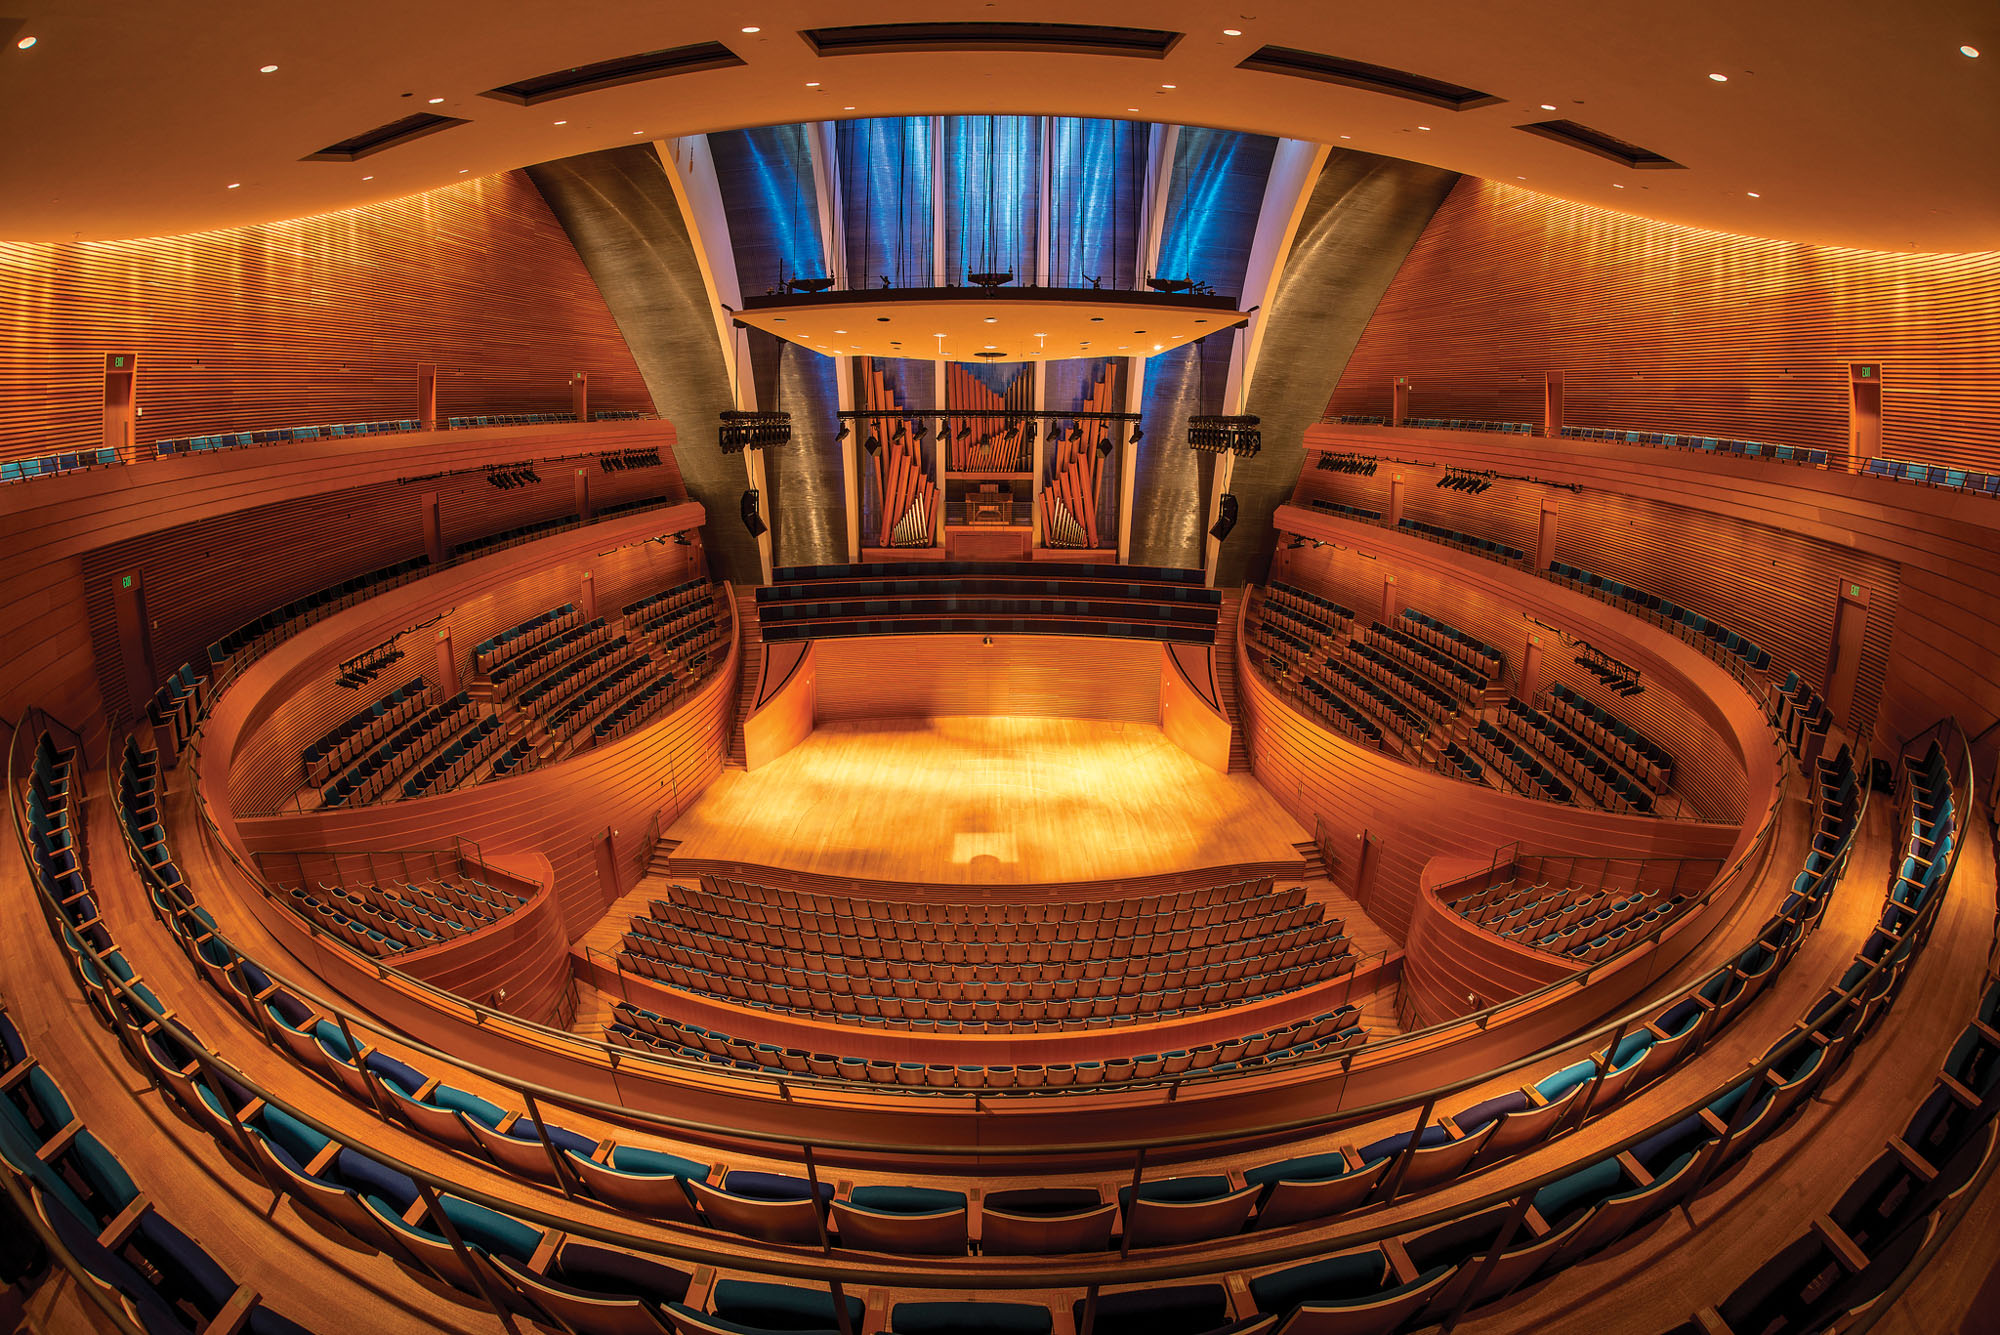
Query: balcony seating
[
  {"x": 1346, "y": 510},
  {"x": 1715, "y": 637},
  {"x": 1745, "y": 449},
  {"x": 279, "y": 436},
  {"x": 48, "y": 465},
  {"x": 1045, "y": 1221},
  {"x": 370, "y": 776},
  {"x": 1626, "y": 744},
  {"x": 1457, "y": 538},
  {"x": 1607, "y": 782},
  {"x": 1521, "y": 767},
  {"x": 339, "y": 746}
]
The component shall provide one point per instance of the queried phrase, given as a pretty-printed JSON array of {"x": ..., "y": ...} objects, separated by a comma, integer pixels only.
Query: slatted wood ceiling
[
  {"x": 1658, "y": 327},
  {"x": 320, "y": 319}
]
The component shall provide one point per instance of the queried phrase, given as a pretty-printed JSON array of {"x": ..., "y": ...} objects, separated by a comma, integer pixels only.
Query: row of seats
[
  {"x": 517, "y": 639},
  {"x": 1715, "y": 633},
  {"x": 1451, "y": 639},
  {"x": 281, "y": 436},
  {"x": 590, "y": 703},
  {"x": 512, "y": 419},
  {"x": 1982, "y": 484},
  {"x": 1628, "y": 745},
  {"x": 1469, "y": 424},
  {"x": 1746, "y": 449},
  {"x": 369, "y": 776},
  {"x": 179, "y": 706},
  {"x": 783, "y": 906},
  {"x": 164, "y": 1279},
  {"x": 1602, "y": 777},
  {"x": 1462, "y": 539},
  {"x": 574, "y": 674},
  {"x": 1304, "y": 604},
  {"x": 518, "y": 758},
  {"x": 1351, "y": 511},
  {"x": 1413, "y": 680},
  {"x": 1801, "y": 716},
  {"x": 313, "y": 606},
  {"x": 671, "y": 616},
  {"x": 48, "y": 465},
  {"x": 1323, "y": 1035},
  {"x": 1335, "y": 708},
  {"x": 546, "y": 657},
  {"x": 1521, "y": 767},
  {"x": 459, "y": 761},
  {"x": 1438, "y": 663},
  {"x": 363, "y": 731},
  {"x": 1456, "y": 760},
  {"x": 679, "y": 595}
]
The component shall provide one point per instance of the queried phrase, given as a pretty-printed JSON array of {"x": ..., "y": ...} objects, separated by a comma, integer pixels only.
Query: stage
[{"x": 986, "y": 801}]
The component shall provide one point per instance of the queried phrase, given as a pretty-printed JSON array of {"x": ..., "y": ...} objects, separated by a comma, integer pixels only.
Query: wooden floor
[{"x": 987, "y": 801}]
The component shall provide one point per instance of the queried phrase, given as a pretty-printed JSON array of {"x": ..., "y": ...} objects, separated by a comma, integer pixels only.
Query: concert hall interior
[{"x": 982, "y": 669}]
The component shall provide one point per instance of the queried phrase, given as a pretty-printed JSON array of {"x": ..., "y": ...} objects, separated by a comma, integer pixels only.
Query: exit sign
[
  {"x": 117, "y": 361},
  {"x": 126, "y": 583}
]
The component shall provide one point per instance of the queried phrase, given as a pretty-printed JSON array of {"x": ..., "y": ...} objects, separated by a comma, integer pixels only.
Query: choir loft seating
[
  {"x": 1017, "y": 598},
  {"x": 390, "y": 904}
]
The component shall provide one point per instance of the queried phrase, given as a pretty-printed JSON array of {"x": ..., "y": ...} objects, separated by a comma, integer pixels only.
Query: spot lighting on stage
[
  {"x": 1241, "y": 436},
  {"x": 1138, "y": 434},
  {"x": 844, "y": 432},
  {"x": 742, "y": 431}
]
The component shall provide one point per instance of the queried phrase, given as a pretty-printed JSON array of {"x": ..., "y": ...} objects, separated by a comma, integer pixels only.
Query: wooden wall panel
[
  {"x": 1779, "y": 588},
  {"x": 315, "y": 320},
  {"x": 1658, "y": 327},
  {"x": 1031, "y": 676}
]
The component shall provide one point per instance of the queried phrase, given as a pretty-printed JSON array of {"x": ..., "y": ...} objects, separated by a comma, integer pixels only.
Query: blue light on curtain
[
  {"x": 1097, "y": 187},
  {"x": 993, "y": 185},
  {"x": 1212, "y": 206},
  {"x": 885, "y": 190},
  {"x": 765, "y": 178}
]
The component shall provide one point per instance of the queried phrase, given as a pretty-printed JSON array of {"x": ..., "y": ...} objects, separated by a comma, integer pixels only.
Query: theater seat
[
  {"x": 969, "y": 1318},
  {"x": 909, "y": 1220},
  {"x": 1041, "y": 1221}
]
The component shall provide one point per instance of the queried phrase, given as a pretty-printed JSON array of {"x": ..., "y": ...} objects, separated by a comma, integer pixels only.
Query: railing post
[
  {"x": 549, "y": 1147},
  {"x": 1125, "y": 1223},
  {"x": 1395, "y": 1182},
  {"x": 1492, "y": 1258},
  {"x": 465, "y": 1257}
]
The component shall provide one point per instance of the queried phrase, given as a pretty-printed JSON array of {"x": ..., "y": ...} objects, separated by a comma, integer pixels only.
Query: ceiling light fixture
[
  {"x": 367, "y": 178},
  {"x": 1423, "y": 127},
  {"x": 1753, "y": 194},
  {"x": 1720, "y": 78},
  {"x": 812, "y": 85},
  {"x": 1232, "y": 32},
  {"x": 1548, "y": 106},
  {"x": 268, "y": 69},
  {"x": 847, "y": 108},
  {"x": 27, "y": 42},
  {"x": 1969, "y": 51},
  {"x": 562, "y": 122},
  {"x": 1170, "y": 85},
  {"x": 1616, "y": 186},
  {"x": 436, "y": 100},
  {"x": 236, "y": 185},
  {"x": 753, "y": 30}
]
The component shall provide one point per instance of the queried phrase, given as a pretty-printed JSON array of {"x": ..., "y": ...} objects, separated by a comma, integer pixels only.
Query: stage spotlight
[
  {"x": 1138, "y": 433},
  {"x": 1226, "y": 520},
  {"x": 843, "y": 433},
  {"x": 964, "y": 433},
  {"x": 1032, "y": 429},
  {"x": 1295, "y": 544},
  {"x": 751, "y": 519},
  {"x": 872, "y": 445},
  {"x": 922, "y": 428}
]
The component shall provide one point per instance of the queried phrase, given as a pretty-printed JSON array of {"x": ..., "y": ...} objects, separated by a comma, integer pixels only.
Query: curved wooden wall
[
  {"x": 1409, "y": 816},
  {"x": 1940, "y": 634},
  {"x": 283, "y": 520},
  {"x": 1035, "y": 676},
  {"x": 1658, "y": 327},
  {"x": 319, "y": 319},
  {"x": 593, "y": 817},
  {"x": 1448, "y": 957}
]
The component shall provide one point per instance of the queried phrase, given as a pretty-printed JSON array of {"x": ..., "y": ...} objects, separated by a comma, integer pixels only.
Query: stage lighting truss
[
  {"x": 1465, "y": 479},
  {"x": 1240, "y": 436},
  {"x": 620, "y": 460},
  {"x": 742, "y": 431},
  {"x": 508, "y": 476},
  {"x": 363, "y": 668},
  {"x": 1362, "y": 465}
]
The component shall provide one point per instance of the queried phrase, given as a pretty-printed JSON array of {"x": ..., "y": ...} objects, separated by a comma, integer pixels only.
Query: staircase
[
  {"x": 748, "y": 628},
  {"x": 1225, "y": 678},
  {"x": 1315, "y": 867},
  {"x": 661, "y": 863}
]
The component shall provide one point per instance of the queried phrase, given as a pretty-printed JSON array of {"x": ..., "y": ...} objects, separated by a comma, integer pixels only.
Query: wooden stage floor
[{"x": 987, "y": 801}]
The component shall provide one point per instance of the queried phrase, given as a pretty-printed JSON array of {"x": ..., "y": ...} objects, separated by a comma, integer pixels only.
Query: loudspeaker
[
  {"x": 1226, "y": 520},
  {"x": 751, "y": 519}
]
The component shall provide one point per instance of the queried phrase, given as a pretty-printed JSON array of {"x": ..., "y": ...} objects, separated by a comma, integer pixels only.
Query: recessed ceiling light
[
  {"x": 463, "y": 170},
  {"x": 1169, "y": 85},
  {"x": 1753, "y": 194},
  {"x": 1423, "y": 127},
  {"x": 1616, "y": 186},
  {"x": 1347, "y": 136},
  {"x": 367, "y": 178},
  {"x": 840, "y": 331},
  {"x": 1971, "y": 51},
  {"x": 638, "y": 132},
  {"x": 753, "y": 30},
  {"x": 993, "y": 319},
  {"x": 436, "y": 100},
  {"x": 1232, "y": 32},
  {"x": 847, "y": 108},
  {"x": 1041, "y": 335},
  {"x": 1548, "y": 106},
  {"x": 992, "y": 345},
  {"x": 1720, "y": 78},
  {"x": 27, "y": 42},
  {"x": 1131, "y": 108},
  {"x": 268, "y": 69},
  {"x": 1520, "y": 178},
  {"x": 236, "y": 185},
  {"x": 812, "y": 85}
]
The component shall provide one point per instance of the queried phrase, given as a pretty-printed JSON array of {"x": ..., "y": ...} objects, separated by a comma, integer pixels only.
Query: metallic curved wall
[
  {"x": 807, "y": 507},
  {"x": 1363, "y": 216},
  {"x": 619, "y": 209}
]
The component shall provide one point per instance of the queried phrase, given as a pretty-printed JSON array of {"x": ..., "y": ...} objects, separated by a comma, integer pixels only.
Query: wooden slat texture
[
  {"x": 1032, "y": 676},
  {"x": 315, "y": 320},
  {"x": 1658, "y": 327}
]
